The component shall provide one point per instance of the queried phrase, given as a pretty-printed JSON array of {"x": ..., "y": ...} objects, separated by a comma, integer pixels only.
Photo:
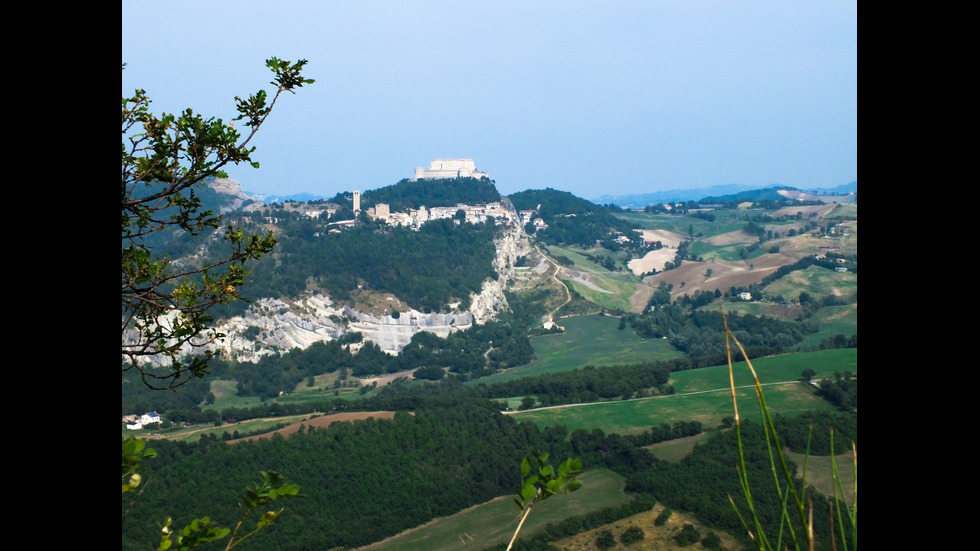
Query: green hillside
[
  {"x": 704, "y": 395},
  {"x": 449, "y": 454}
]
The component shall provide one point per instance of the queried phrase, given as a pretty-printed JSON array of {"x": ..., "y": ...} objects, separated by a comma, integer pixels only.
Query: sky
[{"x": 595, "y": 98}]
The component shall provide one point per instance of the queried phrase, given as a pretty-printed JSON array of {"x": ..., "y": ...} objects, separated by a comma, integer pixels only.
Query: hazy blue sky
[{"x": 595, "y": 98}]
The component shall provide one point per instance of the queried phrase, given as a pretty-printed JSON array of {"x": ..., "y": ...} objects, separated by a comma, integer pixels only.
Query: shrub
[
  {"x": 688, "y": 535},
  {"x": 631, "y": 535},
  {"x": 606, "y": 540}
]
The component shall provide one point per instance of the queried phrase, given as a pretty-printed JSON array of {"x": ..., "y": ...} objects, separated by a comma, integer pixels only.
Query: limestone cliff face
[
  {"x": 232, "y": 188},
  {"x": 275, "y": 324}
]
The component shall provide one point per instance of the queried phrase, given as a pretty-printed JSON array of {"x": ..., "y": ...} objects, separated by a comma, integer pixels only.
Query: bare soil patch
[
  {"x": 821, "y": 210},
  {"x": 640, "y": 298},
  {"x": 653, "y": 260},
  {"x": 689, "y": 277},
  {"x": 668, "y": 238},
  {"x": 322, "y": 421},
  {"x": 655, "y": 538},
  {"x": 382, "y": 380}
]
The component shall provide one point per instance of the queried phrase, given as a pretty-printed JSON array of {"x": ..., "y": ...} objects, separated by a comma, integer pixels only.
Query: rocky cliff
[{"x": 275, "y": 324}]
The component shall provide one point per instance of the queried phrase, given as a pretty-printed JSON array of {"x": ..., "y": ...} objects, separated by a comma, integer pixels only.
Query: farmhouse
[{"x": 134, "y": 423}]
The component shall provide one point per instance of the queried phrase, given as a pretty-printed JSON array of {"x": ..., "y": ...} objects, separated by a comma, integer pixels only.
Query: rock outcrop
[
  {"x": 272, "y": 326},
  {"x": 276, "y": 324}
]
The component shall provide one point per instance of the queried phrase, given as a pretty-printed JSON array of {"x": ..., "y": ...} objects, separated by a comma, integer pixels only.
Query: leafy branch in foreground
[
  {"x": 165, "y": 303},
  {"x": 798, "y": 534},
  {"x": 202, "y": 530},
  {"x": 133, "y": 451},
  {"x": 537, "y": 487}
]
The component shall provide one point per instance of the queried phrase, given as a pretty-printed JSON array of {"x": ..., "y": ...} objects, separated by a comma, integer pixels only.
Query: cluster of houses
[
  {"x": 134, "y": 422},
  {"x": 414, "y": 218},
  {"x": 841, "y": 269}
]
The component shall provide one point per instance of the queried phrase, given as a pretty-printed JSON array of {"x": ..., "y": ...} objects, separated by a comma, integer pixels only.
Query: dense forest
[
  {"x": 436, "y": 460},
  {"x": 440, "y": 263},
  {"x": 699, "y": 333}
]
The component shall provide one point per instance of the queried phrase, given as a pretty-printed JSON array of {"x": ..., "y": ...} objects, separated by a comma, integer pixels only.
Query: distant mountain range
[
  {"x": 641, "y": 200},
  {"x": 635, "y": 201},
  {"x": 275, "y": 198}
]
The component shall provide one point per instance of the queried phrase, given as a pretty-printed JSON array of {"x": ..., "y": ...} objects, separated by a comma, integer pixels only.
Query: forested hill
[
  {"x": 440, "y": 263},
  {"x": 412, "y": 194},
  {"x": 570, "y": 220},
  {"x": 549, "y": 202},
  {"x": 426, "y": 267}
]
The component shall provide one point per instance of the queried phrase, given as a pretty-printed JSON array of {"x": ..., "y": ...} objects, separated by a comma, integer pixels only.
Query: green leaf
[{"x": 528, "y": 492}]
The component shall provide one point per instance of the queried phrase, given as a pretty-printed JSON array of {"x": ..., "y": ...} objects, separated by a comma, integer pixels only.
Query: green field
[
  {"x": 832, "y": 320},
  {"x": 587, "y": 340},
  {"x": 616, "y": 286},
  {"x": 703, "y": 395},
  {"x": 725, "y": 221},
  {"x": 494, "y": 522},
  {"x": 816, "y": 281}
]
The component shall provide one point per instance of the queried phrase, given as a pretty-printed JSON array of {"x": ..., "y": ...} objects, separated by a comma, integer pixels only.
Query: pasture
[
  {"x": 607, "y": 288},
  {"x": 816, "y": 282},
  {"x": 704, "y": 395},
  {"x": 587, "y": 340},
  {"x": 494, "y": 522}
]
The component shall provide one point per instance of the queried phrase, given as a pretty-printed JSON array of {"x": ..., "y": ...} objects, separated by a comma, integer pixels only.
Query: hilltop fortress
[{"x": 449, "y": 168}]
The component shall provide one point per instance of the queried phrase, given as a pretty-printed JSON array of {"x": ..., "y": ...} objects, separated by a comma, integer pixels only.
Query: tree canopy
[{"x": 165, "y": 160}]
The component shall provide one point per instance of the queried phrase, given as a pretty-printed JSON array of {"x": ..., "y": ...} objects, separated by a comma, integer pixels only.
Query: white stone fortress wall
[{"x": 449, "y": 168}]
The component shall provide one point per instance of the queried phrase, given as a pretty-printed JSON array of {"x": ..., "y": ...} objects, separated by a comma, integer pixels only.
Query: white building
[{"x": 449, "y": 168}]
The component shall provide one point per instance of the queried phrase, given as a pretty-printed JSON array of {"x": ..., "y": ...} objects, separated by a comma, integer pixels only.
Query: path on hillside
[
  {"x": 724, "y": 389},
  {"x": 568, "y": 293}
]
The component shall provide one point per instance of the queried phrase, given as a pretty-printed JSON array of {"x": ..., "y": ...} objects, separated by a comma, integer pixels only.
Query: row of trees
[{"x": 589, "y": 384}]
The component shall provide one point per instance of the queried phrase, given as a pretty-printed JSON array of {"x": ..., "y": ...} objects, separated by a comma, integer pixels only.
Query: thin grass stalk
[
  {"x": 842, "y": 497},
  {"x": 770, "y": 428},
  {"x": 854, "y": 503},
  {"x": 770, "y": 432},
  {"x": 756, "y": 532}
]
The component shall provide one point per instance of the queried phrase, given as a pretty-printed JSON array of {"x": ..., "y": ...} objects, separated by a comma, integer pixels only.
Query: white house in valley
[{"x": 132, "y": 423}]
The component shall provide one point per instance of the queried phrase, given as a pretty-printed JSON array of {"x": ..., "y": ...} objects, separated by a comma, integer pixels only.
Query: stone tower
[{"x": 357, "y": 201}]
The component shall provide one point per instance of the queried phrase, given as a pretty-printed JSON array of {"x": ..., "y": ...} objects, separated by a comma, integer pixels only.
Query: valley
[{"x": 449, "y": 348}]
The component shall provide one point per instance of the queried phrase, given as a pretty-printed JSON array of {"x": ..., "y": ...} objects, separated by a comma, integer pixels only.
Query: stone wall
[{"x": 449, "y": 168}]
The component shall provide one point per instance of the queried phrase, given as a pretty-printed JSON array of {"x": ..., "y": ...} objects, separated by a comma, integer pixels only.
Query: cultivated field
[
  {"x": 494, "y": 522},
  {"x": 322, "y": 421},
  {"x": 704, "y": 395}
]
